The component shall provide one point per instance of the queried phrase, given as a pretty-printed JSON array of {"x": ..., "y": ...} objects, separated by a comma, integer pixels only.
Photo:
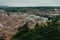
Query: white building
[{"x": 1, "y": 26}]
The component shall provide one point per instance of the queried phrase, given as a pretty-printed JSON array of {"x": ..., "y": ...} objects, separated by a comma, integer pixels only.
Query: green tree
[
  {"x": 1, "y": 38},
  {"x": 49, "y": 32},
  {"x": 21, "y": 31}
]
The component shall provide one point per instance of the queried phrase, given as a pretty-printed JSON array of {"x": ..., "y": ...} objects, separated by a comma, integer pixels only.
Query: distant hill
[
  {"x": 15, "y": 9},
  {"x": 3, "y": 6}
]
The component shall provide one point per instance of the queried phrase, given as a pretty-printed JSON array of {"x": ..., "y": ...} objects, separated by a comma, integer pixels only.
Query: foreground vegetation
[{"x": 50, "y": 32}]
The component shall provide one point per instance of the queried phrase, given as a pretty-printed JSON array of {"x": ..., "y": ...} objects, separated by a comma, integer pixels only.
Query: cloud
[{"x": 29, "y": 2}]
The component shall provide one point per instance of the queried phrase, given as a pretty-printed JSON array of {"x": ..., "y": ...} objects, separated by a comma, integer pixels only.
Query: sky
[{"x": 23, "y": 3}]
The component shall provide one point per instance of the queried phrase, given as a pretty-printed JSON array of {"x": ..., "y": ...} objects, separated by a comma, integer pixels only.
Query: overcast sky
[{"x": 23, "y": 3}]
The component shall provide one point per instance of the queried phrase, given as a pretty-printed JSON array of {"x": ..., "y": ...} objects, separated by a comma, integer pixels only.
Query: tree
[
  {"x": 1, "y": 38},
  {"x": 21, "y": 31},
  {"x": 49, "y": 32}
]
